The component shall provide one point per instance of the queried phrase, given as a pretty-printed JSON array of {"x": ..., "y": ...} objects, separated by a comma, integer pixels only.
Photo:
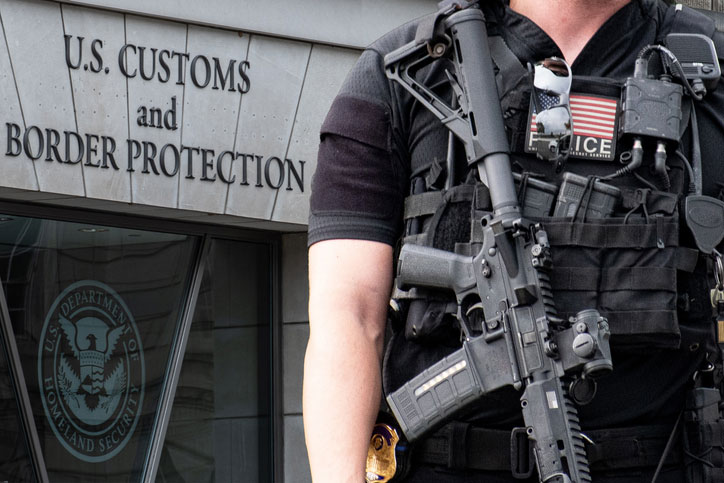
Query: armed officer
[{"x": 382, "y": 153}]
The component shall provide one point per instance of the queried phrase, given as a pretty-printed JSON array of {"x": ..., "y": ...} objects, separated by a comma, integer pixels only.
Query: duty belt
[{"x": 463, "y": 446}]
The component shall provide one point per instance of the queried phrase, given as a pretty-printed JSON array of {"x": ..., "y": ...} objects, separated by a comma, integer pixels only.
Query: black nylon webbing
[
  {"x": 427, "y": 203},
  {"x": 486, "y": 449},
  {"x": 639, "y": 322},
  {"x": 419, "y": 239},
  {"x": 422, "y": 204},
  {"x": 625, "y": 278},
  {"x": 629, "y": 447},
  {"x": 511, "y": 70},
  {"x": 595, "y": 235},
  {"x": 490, "y": 449},
  {"x": 614, "y": 279}
]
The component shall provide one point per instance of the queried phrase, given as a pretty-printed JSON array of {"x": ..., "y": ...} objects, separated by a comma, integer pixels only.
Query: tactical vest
[{"x": 637, "y": 265}]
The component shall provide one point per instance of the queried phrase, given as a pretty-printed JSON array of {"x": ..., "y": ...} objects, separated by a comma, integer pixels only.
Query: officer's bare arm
[{"x": 349, "y": 282}]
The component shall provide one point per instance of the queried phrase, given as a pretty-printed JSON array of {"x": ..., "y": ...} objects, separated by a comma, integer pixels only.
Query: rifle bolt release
[{"x": 492, "y": 251}]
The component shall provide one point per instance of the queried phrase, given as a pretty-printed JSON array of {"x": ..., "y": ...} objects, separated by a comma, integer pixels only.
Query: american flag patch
[{"x": 594, "y": 127}]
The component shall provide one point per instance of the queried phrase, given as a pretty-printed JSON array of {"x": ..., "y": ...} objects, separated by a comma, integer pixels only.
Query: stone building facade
[{"x": 155, "y": 169}]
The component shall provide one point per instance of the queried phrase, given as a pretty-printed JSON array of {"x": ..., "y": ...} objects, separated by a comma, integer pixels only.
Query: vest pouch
[
  {"x": 430, "y": 315},
  {"x": 703, "y": 436},
  {"x": 626, "y": 267}
]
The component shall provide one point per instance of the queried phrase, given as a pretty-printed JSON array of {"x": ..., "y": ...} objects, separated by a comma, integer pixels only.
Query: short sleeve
[{"x": 358, "y": 186}]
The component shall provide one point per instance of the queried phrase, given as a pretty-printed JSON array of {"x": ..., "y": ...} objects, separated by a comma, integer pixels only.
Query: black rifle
[{"x": 518, "y": 340}]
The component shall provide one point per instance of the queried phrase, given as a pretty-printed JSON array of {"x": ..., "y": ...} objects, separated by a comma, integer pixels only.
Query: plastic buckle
[{"x": 522, "y": 461}]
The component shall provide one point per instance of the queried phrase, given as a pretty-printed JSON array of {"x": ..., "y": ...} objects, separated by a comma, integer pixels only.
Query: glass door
[{"x": 96, "y": 314}]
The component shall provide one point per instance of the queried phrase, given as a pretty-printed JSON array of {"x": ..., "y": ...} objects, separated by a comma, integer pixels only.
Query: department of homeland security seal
[{"x": 91, "y": 371}]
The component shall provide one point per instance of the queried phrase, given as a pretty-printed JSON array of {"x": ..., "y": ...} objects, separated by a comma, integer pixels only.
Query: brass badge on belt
[{"x": 381, "y": 462}]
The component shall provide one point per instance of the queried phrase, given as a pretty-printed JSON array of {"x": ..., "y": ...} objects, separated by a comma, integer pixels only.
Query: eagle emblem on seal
[
  {"x": 91, "y": 371},
  {"x": 87, "y": 381}
]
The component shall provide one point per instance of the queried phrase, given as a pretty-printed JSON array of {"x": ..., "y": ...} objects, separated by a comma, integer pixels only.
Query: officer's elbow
[{"x": 349, "y": 283}]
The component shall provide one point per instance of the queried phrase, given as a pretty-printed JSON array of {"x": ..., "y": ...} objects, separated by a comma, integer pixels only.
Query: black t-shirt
[{"x": 376, "y": 138}]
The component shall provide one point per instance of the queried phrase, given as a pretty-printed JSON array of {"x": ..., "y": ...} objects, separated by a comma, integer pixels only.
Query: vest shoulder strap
[
  {"x": 716, "y": 17},
  {"x": 682, "y": 19},
  {"x": 718, "y": 39},
  {"x": 510, "y": 70}
]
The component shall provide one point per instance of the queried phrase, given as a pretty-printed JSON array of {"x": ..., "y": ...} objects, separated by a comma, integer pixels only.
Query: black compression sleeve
[{"x": 359, "y": 182}]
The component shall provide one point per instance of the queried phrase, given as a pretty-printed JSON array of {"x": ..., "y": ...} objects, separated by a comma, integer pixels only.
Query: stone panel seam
[
  {"x": 183, "y": 111},
  {"x": 294, "y": 121},
  {"x": 72, "y": 100},
  {"x": 236, "y": 130},
  {"x": 17, "y": 91},
  {"x": 128, "y": 102}
]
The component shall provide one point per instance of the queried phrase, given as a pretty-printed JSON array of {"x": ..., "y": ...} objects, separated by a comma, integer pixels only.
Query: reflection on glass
[
  {"x": 14, "y": 458},
  {"x": 220, "y": 423},
  {"x": 94, "y": 310}
]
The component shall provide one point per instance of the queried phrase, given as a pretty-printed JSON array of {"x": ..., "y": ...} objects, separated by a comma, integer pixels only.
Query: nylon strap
[
  {"x": 637, "y": 322},
  {"x": 490, "y": 449},
  {"x": 629, "y": 447},
  {"x": 600, "y": 235},
  {"x": 486, "y": 449},
  {"x": 422, "y": 204},
  {"x": 419, "y": 239},
  {"x": 626, "y": 278},
  {"x": 511, "y": 70},
  {"x": 613, "y": 279}
]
